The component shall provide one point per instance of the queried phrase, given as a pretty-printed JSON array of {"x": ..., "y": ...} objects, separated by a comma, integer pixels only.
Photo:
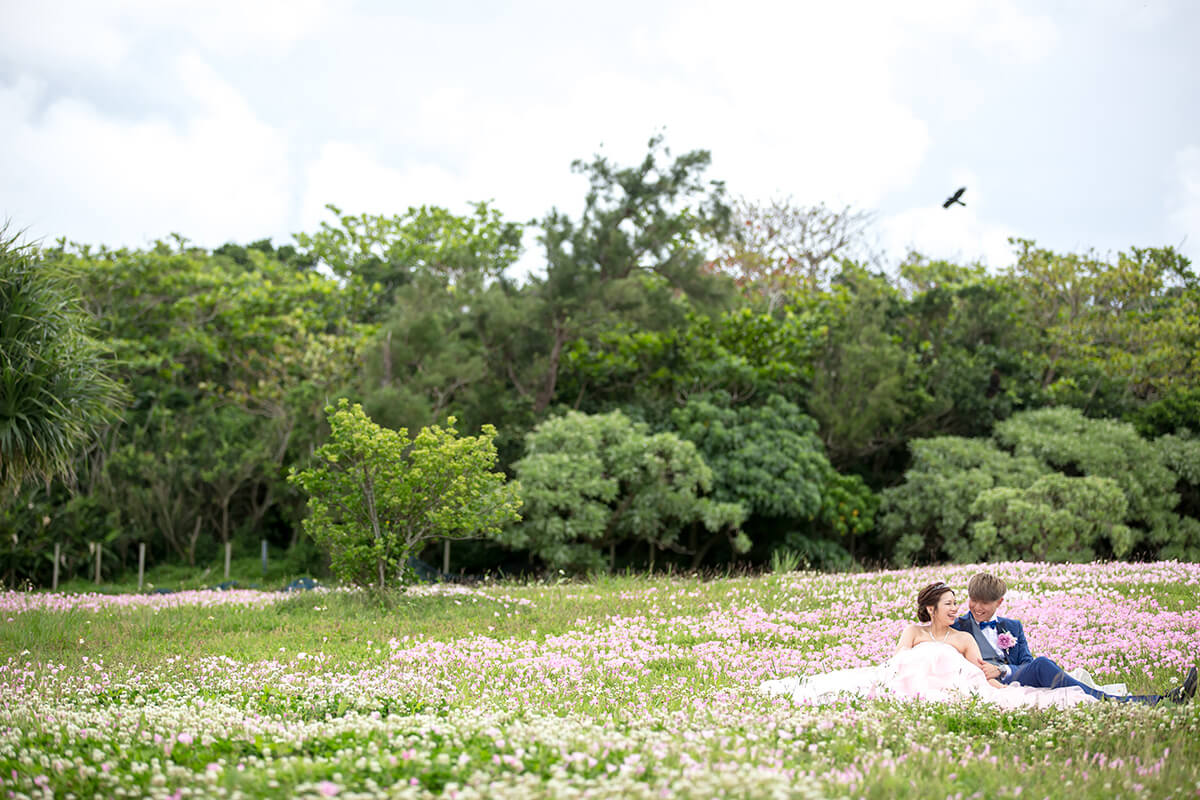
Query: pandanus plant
[{"x": 55, "y": 393}]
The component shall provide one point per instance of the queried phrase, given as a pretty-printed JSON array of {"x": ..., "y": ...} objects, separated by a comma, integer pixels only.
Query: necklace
[{"x": 932, "y": 638}]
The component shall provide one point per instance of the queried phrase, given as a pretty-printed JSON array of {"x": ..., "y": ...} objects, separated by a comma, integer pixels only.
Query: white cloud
[
  {"x": 800, "y": 100},
  {"x": 283, "y": 107},
  {"x": 791, "y": 100},
  {"x": 1001, "y": 28},
  {"x": 222, "y": 175},
  {"x": 1184, "y": 207},
  {"x": 104, "y": 33},
  {"x": 62, "y": 35},
  {"x": 348, "y": 176}
]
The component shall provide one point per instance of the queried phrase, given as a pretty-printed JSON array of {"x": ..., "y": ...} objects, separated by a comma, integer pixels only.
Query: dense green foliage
[
  {"x": 1051, "y": 484},
  {"x": 815, "y": 388},
  {"x": 593, "y": 482},
  {"x": 375, "y": 496},
  {"x": 770, "y": 458}
]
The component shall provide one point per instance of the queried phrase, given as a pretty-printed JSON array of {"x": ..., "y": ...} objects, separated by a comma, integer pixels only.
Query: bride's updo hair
[{"x": 931, "y": 595}]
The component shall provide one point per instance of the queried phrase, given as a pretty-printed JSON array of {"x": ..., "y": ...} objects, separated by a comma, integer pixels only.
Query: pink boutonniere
[{"x": 1006, "y": 640}]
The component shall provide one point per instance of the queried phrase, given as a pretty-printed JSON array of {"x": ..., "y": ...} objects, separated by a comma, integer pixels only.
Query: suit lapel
[{"x": 985, "y": 648}]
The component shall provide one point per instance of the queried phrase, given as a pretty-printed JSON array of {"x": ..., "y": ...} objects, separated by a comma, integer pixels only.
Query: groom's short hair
[{"x": 986, "y": 587}]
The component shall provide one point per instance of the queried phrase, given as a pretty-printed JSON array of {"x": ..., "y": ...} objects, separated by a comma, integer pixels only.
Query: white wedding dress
[{"x": 932, "y": 671}]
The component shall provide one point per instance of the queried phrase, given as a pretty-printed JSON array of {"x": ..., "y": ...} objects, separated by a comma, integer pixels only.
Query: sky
[{"x": 1076, "y": 124}]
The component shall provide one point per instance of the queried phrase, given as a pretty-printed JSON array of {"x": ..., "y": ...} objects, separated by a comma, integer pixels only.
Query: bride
[{"x": 932, "y": 662}]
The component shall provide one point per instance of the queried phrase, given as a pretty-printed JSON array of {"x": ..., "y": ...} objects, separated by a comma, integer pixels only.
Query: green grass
[{"x": 674, "y": 710}]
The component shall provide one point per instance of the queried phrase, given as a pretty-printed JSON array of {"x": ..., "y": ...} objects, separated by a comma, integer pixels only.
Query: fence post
[
  {"x": 141, "y": 564},
  {"x": 54, "y": 580},
  {"x": 264, "y": 557},
  {"x": 99, "y": 550},
  {"x": 446, "y": 558},
  {"x": 228, "y": 555}
]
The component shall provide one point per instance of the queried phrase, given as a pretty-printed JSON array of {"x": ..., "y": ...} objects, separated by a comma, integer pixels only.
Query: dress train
[{"x": 932, "y": 671}]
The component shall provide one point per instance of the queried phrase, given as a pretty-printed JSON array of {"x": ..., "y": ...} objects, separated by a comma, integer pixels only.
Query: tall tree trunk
[
  {"x": 546, "y": 393},
  {"x": 386, "y": 380}
]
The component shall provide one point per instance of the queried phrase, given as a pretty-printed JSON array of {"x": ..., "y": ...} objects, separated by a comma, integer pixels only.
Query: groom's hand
[{"x": 990, "y": 671}]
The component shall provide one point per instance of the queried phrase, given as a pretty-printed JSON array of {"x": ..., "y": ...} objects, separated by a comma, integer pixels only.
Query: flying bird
[{"x": 954, "y": 198}]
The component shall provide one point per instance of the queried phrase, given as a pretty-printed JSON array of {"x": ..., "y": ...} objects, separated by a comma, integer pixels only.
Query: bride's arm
[
  {"x": 906, "y": 638},
  {"x": 971, "y": 651}
]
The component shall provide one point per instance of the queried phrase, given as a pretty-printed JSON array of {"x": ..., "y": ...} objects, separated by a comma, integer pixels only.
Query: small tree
[{"x": 376, "y": 496}]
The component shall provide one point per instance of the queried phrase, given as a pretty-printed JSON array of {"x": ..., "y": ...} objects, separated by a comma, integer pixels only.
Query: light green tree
[
  {"x": 950, "y": 505},
  {"x": 928, "y": 516},
  {"x": 1066, "y": 440},
  {"x": 422, "y": 246},
  {"x": 595, "y": 482},
  {"x": 1058, "y": 518},
  {"x": 1115, "y": 332},
  {"x": 375, "y": 496}
]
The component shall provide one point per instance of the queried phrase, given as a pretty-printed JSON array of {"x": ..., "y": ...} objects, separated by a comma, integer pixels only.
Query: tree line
[{"x": 691, "y": 381}]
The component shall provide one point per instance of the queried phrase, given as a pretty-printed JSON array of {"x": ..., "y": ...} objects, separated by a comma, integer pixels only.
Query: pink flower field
[{"x": 625, "y": 688}]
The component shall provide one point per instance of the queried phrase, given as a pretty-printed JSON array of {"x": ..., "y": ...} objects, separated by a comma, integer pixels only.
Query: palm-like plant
[{"x": 55, "y": 394}]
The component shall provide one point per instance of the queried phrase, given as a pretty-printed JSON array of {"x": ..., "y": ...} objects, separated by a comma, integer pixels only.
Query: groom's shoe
[{"x": 1184, "y": 691}]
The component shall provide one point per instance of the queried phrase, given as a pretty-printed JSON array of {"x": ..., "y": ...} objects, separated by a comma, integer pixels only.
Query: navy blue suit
[{"x": 1025, "y": 669}]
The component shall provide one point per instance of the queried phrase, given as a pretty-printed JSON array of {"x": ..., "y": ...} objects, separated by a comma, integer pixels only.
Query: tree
[
  {"x": 596, "y": 482},
  {"x": 375, "y": 496},
  {"x": 742, "y": 355},
  {"x": 1115, "y": 334},
  {"x": 779, "y": 247},
  {"x": 229, "y": 359},
  {"x": 56, "y": 392},
  {"x": 865, "y": 381},
  {"x": 424, "y": 244},
  {"x": 1058, "y": 518},
  {"x": 1038, "y": 457},
  {"x": 945, "y": 351},
  {"x": 928, "y": 517},
  {"x": 651, "y": 220},
  {"x": 973, "y": 345},
  {"x": 769, "y": 459},
  {"x": 1066, "y": 440}
]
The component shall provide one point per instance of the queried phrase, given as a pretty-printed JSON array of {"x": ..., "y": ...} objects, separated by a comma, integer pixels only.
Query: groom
[{"x": 1006, "y": 652}]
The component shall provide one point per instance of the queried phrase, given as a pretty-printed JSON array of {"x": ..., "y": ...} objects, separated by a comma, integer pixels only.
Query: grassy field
[{"x": 619, "y": 687}]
